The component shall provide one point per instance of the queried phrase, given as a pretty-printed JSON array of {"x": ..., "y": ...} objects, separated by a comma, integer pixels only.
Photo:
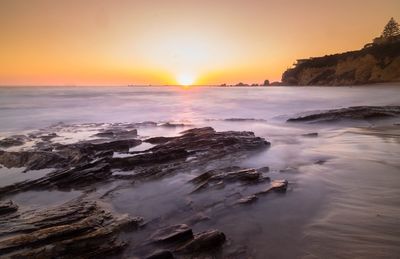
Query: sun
[{"x": 185, "y": 79}]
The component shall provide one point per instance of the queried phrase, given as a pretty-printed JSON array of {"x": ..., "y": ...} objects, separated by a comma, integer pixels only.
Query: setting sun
[{"x": 185, "y": 79}]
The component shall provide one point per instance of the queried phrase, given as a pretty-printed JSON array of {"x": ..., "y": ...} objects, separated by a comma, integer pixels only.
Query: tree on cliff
[{"x": 391, "y": 29}]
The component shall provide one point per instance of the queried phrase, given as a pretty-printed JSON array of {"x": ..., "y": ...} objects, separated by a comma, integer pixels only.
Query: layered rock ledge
[
  {"x": 86, "y": 227},
  {"x": 351, "y": 113}
]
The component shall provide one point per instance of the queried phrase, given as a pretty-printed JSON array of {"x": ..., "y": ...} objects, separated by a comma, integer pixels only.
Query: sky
[{"x": 157, "y": 42}]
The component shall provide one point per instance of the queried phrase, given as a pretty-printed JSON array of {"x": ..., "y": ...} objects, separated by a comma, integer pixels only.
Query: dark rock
[
  {"x": 105, "y": 134},
  {"x": 275, "y": 186},
  {"x": 215, "y": 178},
  {"x": 148, "y": 159},
  {"x": 173, "y": 125},
  {"x": 146, "y": 124},
  {"x": 204, "y": 242},
  {"x": 241, "y": 84},
  {"x": 33, "y": 160},
  {"x": 79, "y": 176},
  {"x": 264, "y": 169},
  {"x": 75, "y": 229},
  {"x": 241, "y": 175},
  {"x": 201, "y": 145},
  {"x": 204, "y": 177},
  {"x": 199, "y": 217},
  {"x": 242, "y": 119},
  {"x": 175, "y": 233},
  {"x": 158, "y": 140},
  {"x": 311, "y": 135},
  {"x": 117, "y": 145},
  {"x": 351, "y": 113},
  {"x": 117, "y": 133},
  {"x": 248, "y": 199},
  {"x": 48, "y": 137},
  {"x": 7, "y": 207},
  {"x": 163, "y": 254},
  {"x": 320, "y": 162},
  {"x": 276, "y": 83},
  {"x": 17, "y": 140}
]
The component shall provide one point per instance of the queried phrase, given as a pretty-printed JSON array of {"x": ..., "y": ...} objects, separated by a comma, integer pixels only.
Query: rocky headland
[{"x": 375, "y": 63}]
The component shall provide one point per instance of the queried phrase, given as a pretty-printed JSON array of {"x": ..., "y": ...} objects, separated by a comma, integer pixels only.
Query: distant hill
[{"x": 377, "y": 62}]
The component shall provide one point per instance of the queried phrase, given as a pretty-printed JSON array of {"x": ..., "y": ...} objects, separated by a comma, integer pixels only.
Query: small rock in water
[
  {"x": 248, "y": 199},
  {"x": 320, "y": 162},
  {"x": 163, "y": 254},
  {"x": 7, "y": 207},
  {"x": 173, "y": 125},
  {"x": 311, "y": 135},
  {"x": 198, "y": 218},
  {"x": 279, "y": 185},
  {"x": 264, "y": 169},
  {"x": 17, "y": 140},
  {"x": 173, "y": 233},
  {"x": 276, "y": 186},
  {"x": 204, "y": 242},
  {"x": 158, "y": 140}
]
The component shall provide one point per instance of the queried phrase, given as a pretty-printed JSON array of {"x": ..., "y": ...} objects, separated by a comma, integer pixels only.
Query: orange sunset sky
[{"x": 119, "y": 42}]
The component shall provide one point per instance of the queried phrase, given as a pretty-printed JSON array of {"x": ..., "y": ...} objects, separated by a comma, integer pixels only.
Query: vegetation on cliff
[{"x": 377, "y": 62}]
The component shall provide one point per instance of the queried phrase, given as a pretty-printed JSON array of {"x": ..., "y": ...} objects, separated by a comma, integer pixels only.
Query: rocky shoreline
[
  {"x": 85, "y": 227},
  {"x": 110, "y": 163}
]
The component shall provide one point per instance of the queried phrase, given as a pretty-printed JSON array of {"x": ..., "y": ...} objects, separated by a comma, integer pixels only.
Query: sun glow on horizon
[{"x": 186, "y": 79}]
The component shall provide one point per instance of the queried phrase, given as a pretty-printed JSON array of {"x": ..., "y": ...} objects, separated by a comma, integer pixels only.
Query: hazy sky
[{"x": 102, "y": 42}]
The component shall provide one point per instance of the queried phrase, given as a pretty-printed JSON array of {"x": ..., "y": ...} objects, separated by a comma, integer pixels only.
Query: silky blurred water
[
  {"x": 343, "y": 197},
  {"x": 32, "y": 108}
]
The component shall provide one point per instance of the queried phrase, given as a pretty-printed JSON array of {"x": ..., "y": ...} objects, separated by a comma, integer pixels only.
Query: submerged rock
[
  {"x": 204, "y": 242},
  {"x": 117, "y": 133},
  {"x": 202, "y": 145},
  {"x": 173, "y": 125},
  {"x": 244, "y": 120},
  {"x": 219, "y": 177},
  {"x": 248, "y": 199},
  {"x": 32, "y": 160},
  {"x": 351, "y": 113},
  {"x": 311, "y": 135},
  {"x": 163, "y": 254},
  {"x": 158, "y": 140},
  {"x": 276, "y": 186},
  {"x": 7, "y": 207},
  {"x": 16, "y": 140},
  {"x": 82, "y": 175},
  {"x": 175, "y": 233}
]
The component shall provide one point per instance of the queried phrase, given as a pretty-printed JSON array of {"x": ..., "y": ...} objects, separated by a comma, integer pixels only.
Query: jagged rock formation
[
  {"x": 194, "y": 147},
  {"x": 374, "y": 64},
  {"x": 84, "y": 163},
  {"x": 84, "y": 228}
]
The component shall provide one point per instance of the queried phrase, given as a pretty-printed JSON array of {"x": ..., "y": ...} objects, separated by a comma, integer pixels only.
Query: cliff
[{"x": 376, "y": 63}]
